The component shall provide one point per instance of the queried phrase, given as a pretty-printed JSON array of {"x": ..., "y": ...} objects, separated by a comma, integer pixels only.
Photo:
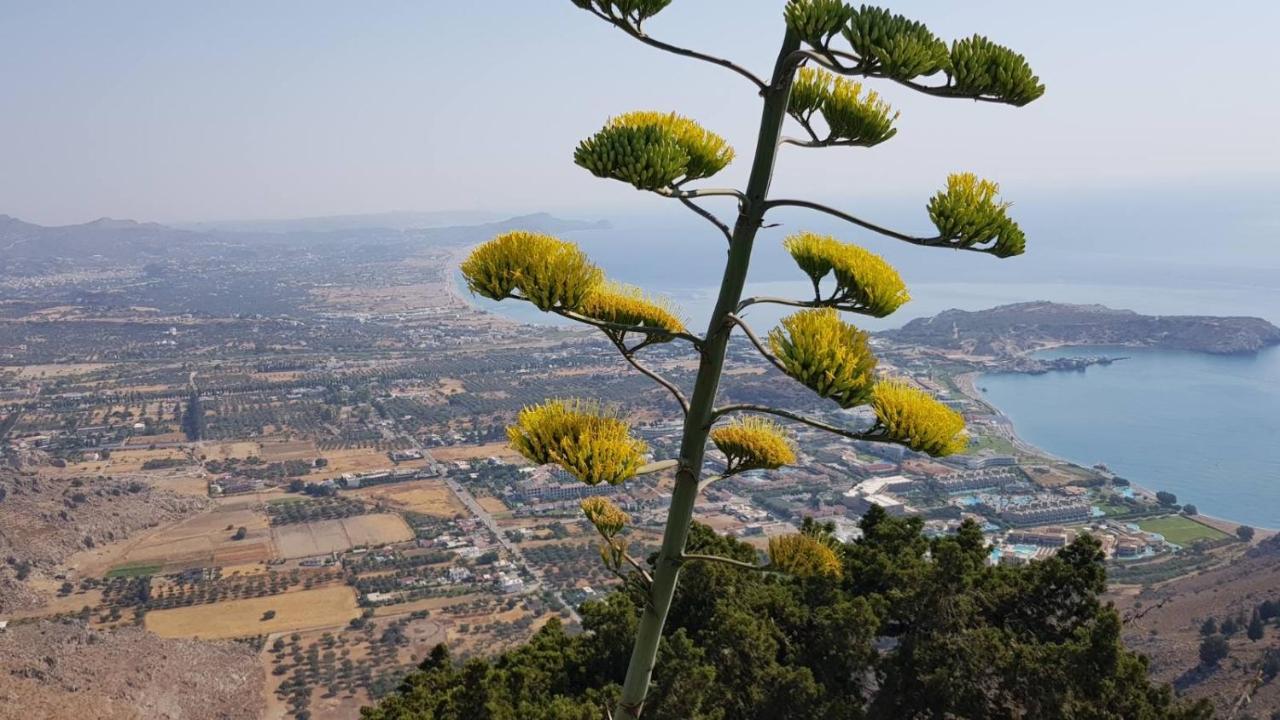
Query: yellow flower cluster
[
  {"x": 608, "y": 519},
  {"x": 825, "y": 353},
  {"x": 864, "y": 281},
  {"x": 590, "y": 443},
  {"x": 803, "y": 556},
  {"x": 754, "y": 443},
  {"x": 653, "y": 150},
  {"x": 627, "y": 305},
  {"x": 850, "y": 115},
  {"x": 969, "y": 212},
  {"x": 548, "y": 272},
  {"x": 914, "y": 418}
]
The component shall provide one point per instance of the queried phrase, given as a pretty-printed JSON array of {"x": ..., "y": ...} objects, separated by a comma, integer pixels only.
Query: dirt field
[
  {"x": 429, "y": 497},
  {"x": 326, "y": 536},
  {"x": 290, "y": 450},
  {"x": 222, "y": 451},
  {"x": 33, "y": 372},
  {"x": 331, "y": 606},
  {"x": 474, "y": 452},
  {"x": 197, "y": 542}
]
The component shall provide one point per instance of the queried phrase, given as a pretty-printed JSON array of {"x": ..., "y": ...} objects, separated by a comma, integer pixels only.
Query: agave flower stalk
[{"x": 826, "y": 42}]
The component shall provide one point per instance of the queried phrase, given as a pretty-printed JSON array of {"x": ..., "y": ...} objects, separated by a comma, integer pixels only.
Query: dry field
[
  {"x": 429, "y": 497},
  {"x": 331, "y": 606},
  {"x": 200, "y": 541},
  {"x": 48, "y": 372},
  {"x": 327, "y": 536},
  {"x": 288, "y": 450},
  {"x": 223, "y": 451},
  {"x": 474, "y": 452}
]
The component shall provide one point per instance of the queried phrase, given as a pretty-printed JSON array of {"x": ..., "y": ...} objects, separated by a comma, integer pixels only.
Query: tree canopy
[{"x": 913, "y": 627}]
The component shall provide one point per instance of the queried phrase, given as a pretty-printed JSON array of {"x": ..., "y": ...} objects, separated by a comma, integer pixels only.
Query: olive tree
[{"x": 825, "y": 44}]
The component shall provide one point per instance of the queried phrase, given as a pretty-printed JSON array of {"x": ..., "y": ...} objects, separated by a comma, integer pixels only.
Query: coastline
[{"x": 967, "y": 384}]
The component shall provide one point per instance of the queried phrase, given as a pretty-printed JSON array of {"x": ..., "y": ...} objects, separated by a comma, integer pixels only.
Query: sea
[{"x": 1203, "y": 427}]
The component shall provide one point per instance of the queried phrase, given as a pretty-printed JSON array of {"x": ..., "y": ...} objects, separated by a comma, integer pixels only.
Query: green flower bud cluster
[
  {"x": 653, "y": 151},
  {"x": 831, "y": 357},
  {"x": 980, "y": 67},
  {"x": 968, "y": 213},
  {"x": 552, "y": 274},
  {"x": 590, "y": 443},
  {"x": 633, "y": 11},
  {"x": 865, "y": 283},
  {"x": 894, "y": 46},
  {"x": 816, "y": 21},
  {"x": 850, "y": 115}
]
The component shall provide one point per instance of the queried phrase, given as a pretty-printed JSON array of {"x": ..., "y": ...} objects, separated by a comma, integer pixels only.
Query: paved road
[{"x": 540, "y": 582}]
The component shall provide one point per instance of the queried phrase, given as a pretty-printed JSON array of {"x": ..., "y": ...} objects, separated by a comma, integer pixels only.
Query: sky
[{"x": 180, "y": 111}]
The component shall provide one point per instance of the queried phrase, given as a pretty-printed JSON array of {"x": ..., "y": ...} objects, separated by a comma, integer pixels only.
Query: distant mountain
[
  {"x": 128, "y": 242},
  {"x": 1013, "y": 329},
  {"x": 388, "y": 220}
]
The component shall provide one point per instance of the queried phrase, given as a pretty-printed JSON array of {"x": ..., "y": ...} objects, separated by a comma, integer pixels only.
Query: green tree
[
  {"x": 1209, "y": 627},
  {"x": 1213, "y": 650},
  {"x": 912, "y": 628},
  {"x": 1245, "y": 533},
  {"x": 1255, "y": 629},
  {"x": 825, "y": 44}
]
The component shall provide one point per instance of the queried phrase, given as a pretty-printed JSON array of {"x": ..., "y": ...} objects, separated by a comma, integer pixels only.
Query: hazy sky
[{"x": 190, "y": 111}]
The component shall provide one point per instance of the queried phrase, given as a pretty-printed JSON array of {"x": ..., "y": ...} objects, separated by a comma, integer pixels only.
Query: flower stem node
[
  {"x": 653, "y": 150},
  {"x": 591, "y": 443},
  {"x": 552, "y": 274},
  {"x": 828, "y": 355},
  {"x": 911, "y": 417},
  {"x": 754, "y": 444}
]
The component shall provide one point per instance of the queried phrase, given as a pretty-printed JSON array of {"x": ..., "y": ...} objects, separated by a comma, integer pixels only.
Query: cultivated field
[
  {"x": 200, "y": 541},
  {"x": 429, "y": 497},
  {"x": 302, "y": 610},
  {"x": 327, "y": 536}
]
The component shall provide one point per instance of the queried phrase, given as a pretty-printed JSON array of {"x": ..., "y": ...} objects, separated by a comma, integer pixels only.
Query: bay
[{"x": 1203, "y": 427}]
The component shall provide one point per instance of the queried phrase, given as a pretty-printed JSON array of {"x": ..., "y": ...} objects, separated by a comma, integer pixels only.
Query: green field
[
  {"x": 1181, "y": 530},
  {"x": 134, "y": 570}
]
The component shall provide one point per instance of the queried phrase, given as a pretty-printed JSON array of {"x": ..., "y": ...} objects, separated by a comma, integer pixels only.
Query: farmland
[
  {"x": 300, "y": 610},
  {"x": 328, "y": 536}
]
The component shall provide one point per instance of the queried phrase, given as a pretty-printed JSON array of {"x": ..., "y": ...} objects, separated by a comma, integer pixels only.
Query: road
[{"x": 539, "y": 581}]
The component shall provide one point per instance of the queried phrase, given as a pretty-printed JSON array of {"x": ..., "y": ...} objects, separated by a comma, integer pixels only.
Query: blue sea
[{"x": 1203, "y": 427}]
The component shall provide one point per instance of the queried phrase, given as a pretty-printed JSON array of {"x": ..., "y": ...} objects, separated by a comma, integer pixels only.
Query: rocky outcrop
[
  {"x": 1014, "y": 329},
  {"x": 65, "y": 670}
]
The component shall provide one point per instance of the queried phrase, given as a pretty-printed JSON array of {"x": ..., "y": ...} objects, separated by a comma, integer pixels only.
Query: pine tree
[
  {"x": 1255, "y": 629},
  {"x": 826, "y": 44}
]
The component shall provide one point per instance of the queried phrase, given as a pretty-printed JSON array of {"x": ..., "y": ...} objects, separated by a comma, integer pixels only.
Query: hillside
[
  {"x": 1166, "y": 627},
  {"x": 1013, "y": 329},
  {"x": 45, "y": 520},
  {"x": 64, "y": 670}
]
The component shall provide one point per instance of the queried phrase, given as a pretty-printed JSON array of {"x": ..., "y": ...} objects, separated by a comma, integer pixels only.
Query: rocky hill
[
  {"x": 44, "y": 520},
  {"x": 64, "y": 670},
  {"x": 1166, "y": 622},
  {"x": 1013, "y": 329}
]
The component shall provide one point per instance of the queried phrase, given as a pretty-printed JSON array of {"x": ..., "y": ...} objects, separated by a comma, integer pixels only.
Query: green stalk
[{"x": 697, "y": 424}]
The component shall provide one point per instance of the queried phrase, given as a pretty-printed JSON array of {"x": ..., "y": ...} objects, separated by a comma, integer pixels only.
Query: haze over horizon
[{"x": 178, "y": 113}]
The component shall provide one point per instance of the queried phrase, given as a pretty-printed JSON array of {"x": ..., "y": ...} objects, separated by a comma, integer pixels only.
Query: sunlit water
[{"x": 1204, "y": 427}]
